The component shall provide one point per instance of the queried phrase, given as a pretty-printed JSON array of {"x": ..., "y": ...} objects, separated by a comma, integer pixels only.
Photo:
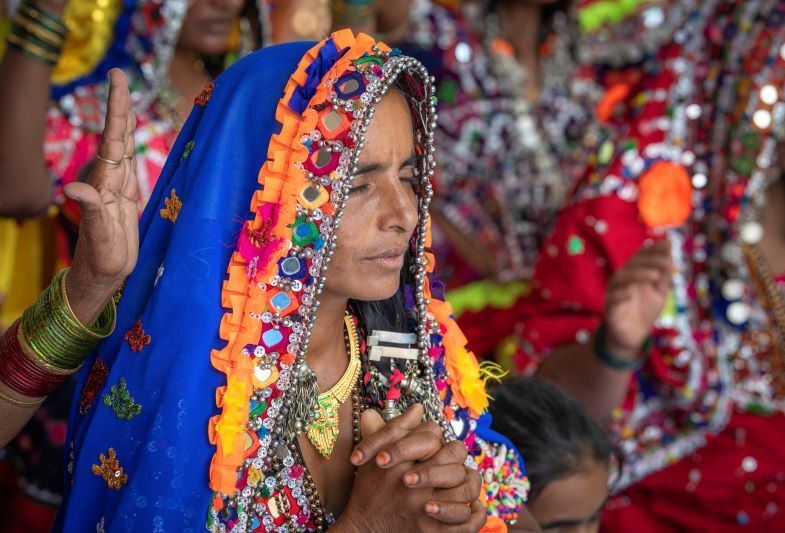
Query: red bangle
[{"x": 19, "y": 372}]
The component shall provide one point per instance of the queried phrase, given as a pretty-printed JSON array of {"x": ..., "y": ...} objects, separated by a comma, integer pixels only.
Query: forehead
[{"x": 391, "y": 130}]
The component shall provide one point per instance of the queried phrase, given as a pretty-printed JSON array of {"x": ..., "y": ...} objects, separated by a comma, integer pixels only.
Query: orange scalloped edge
[
  {"x": 281, "y": 178},
  {"x": 466, "y": 377}
]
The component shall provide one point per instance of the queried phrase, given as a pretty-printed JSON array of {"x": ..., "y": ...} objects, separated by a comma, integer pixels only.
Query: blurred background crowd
[{"x": 608, "y": 217}]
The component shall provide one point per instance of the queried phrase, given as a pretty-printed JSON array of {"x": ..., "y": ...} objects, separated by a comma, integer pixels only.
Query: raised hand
[
  {"x": 635, "y": 297},
  {"x": 108, "y": 243}
]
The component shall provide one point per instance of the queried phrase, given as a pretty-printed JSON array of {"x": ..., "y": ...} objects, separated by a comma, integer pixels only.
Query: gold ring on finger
[
  {"x": 127, "y": 156},
  {"x": 108, "y": 161}
]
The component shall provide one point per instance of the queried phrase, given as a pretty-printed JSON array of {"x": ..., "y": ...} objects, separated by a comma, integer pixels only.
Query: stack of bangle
[
  {"x": 49, "y": 343},
  {"x": 36, "y": 34}
]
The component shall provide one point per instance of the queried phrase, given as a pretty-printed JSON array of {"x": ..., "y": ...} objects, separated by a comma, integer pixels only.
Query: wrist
[
  {"x": 38, "y": 32},
  {"x": 618, "y": 356},
  {"x": 347, "y": 523},
  {"x": 629, "y": 353},
  {"x": 88, "y": 295}
]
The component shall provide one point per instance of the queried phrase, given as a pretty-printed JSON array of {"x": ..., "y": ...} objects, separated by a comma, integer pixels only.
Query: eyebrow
[{"x": 377, "y": 166}]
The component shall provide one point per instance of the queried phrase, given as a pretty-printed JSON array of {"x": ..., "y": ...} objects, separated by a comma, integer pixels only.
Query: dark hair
[
  {"x": 554, "y": 434},
  {"x": 549, "y": 12},
  {"x": 390, "y": 314}
]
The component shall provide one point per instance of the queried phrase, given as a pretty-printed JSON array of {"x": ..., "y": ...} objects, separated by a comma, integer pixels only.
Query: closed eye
[{"x": 358, "y": 188}]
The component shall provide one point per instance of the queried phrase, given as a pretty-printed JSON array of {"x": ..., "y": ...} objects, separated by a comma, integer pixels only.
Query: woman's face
[
  {"x": 573, "y": 504},
  {"x": 207, "y": 27},
  {"x": 381, "y": 211}
]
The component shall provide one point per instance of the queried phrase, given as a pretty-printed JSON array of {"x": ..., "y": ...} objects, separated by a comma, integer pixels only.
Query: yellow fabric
[
  {"x": 479, "y": 295},
  {"x": 90, "y": 26},
  {"x": 25, "y": 265}
]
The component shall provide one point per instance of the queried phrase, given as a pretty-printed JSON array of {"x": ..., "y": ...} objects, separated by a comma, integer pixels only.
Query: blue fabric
[
  {"x": 327, "y": 57},
  {"x": 484, "y": 431},
  {"x": 165, "y": 450}
]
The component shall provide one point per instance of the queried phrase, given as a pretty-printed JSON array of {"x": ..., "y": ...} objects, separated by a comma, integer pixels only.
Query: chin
[
  {"x": 381, "y": 291},
  {"x": 214, "y": 46}
]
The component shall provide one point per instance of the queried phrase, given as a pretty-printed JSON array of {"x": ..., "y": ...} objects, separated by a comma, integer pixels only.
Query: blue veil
[{"x": 162, "y": 445}]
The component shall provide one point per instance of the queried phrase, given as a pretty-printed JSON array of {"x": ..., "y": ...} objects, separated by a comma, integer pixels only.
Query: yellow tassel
[{"x": 491, "y": 370}]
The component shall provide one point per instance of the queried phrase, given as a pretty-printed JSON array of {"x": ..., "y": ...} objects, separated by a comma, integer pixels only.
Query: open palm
[
  {"x": 108, "y": 243},
  {"x": 636, "y": 296}
]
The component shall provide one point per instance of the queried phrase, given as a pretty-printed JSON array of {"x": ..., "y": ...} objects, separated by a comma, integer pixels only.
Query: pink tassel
[{"x": 258, "y": 246}]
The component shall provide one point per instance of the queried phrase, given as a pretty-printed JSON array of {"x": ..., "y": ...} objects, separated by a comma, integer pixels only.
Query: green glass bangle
[
  {"x": 30, "y": 50},
  {"x": 22, "y": 24},
  {"x": 29, "y": 17},
  {"x": 39, "y": 14},
  {"x": 37, "y": 41},
  {"x": 54, "y": 333}
]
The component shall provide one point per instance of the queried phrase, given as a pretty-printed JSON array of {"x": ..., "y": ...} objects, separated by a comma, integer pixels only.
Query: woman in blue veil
[{"x": 193, "y": 413}]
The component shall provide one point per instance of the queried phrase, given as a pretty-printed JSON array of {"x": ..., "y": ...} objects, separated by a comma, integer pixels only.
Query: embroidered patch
[
  {"x": 121, "y": 401},
  {"x": 205, "y": 95},
  {"x": 173, "y": 206},
  {"x": 119, "y": 294},
  {"x": 189, "y": 147},
  {"x": 575, "y": 245},
  {"x": 110, "y": 470},
  {"x": 136, "y": 337},
  {"x": 95, "y": 380}
]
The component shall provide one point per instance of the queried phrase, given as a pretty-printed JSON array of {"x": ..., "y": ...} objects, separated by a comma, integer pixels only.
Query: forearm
[
  {"x": 27, "y": 189},
  {"x": 39, "y": 351},
  {"x": 14, "y": 417},
  {"x": 597, "y": 386}
]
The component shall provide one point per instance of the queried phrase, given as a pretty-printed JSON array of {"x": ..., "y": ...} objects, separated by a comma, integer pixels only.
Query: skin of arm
[{"x": 27, "y": 189}]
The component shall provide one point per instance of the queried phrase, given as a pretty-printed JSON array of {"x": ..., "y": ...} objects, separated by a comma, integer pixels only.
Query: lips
[
  {"x": 389, "y": 258},
  {"x": 393, "y": 251}
]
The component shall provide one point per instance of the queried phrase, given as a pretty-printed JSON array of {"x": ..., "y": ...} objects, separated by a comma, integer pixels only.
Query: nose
[{"x": 397, "y": 206}]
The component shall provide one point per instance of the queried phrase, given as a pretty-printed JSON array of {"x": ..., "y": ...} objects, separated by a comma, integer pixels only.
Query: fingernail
[
  {"x": 383, "y": 459},
  {"x": 411, "y": 478},
  {"x": 356, "y": 457},
  {"x": 431, "y": 508}
]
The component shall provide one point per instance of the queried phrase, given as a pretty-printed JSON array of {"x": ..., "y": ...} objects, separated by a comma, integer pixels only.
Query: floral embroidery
[
  {"x": 110, "y": 470},
  {"x": 189, "y": 146},
  {"x": 121, "y": 401},
  {"x": 136, "y": 337},
  {"x": 93, "y": 384},
  {"x": 173, "y": 206},
  {"x": 205, "y": 95}
]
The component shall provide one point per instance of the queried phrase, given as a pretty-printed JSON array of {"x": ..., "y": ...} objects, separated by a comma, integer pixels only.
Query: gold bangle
[
  {"x": 32, "y": 47},
  {"x": 20, "y": 403}
]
